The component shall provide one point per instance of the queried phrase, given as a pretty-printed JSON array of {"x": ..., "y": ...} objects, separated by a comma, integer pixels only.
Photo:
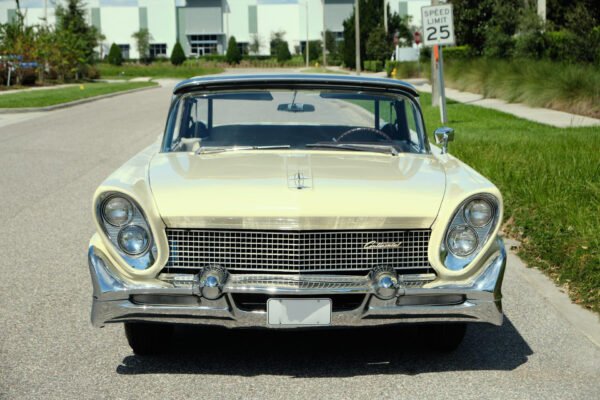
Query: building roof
[{"x": 216, "y": 82}]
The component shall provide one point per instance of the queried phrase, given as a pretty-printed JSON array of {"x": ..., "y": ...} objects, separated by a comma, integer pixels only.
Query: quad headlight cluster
[
  {"x": 127, "y": 228},
  {"x": 469, "y": 230}
]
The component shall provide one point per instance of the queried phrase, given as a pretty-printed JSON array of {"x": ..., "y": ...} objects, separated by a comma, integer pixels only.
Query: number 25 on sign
[{"x": 438, "y": 25}]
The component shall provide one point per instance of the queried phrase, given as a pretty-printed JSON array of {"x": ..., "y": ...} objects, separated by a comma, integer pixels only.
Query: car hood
[{"x": 297, "y": 190}]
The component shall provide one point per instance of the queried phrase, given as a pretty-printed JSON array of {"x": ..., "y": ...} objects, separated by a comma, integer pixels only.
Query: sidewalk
[
  {"x": 545, "y": 116},
  {"x": 31, "y": 89}
]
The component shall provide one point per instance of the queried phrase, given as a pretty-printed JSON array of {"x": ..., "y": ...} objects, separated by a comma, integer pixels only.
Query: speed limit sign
[{"x": 438, "y": 25}]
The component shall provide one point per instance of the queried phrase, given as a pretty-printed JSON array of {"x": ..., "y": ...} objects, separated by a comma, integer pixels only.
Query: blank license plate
[{"x": 299, "y": 311}]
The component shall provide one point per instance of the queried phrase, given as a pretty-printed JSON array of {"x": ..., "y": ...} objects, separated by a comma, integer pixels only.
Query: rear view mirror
[{"x": 295, "y": 107}]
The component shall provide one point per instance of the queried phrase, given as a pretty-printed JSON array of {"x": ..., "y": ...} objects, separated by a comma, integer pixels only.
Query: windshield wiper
[
  {"x": 377, "y": 148},
  {"x": 213, "y": 150}
]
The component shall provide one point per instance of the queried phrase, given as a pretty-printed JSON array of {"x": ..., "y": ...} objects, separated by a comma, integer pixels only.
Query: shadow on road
[{"x": 330, "y": 353}]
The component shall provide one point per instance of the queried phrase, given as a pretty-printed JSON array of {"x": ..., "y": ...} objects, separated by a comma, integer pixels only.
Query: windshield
[{"x": 315, "y": 120}]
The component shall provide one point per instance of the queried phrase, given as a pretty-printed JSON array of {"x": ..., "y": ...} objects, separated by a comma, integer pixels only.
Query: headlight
[
  {"x": 478, "y": 213},
  {"x": 134, "y": 239},
  {"x": 462, "y": 241},
  {"x": 126, "y": 227},
  {"x": 469, "y": 230},
  {"x": 117, "y": 211}
]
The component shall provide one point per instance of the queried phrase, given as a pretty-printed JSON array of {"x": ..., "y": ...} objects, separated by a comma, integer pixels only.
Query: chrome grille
[{"x": 296, "y": 251}]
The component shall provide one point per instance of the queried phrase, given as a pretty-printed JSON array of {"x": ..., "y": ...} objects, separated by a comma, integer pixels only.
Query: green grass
[
  {"x": 567, "y": 87},
  {"x": 158, "y": 70},
  {"x": 550, "y": 181},
  {"x": 49, "y": 97}
]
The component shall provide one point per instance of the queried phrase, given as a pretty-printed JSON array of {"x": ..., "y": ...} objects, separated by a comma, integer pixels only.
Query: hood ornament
[
  {"x": 299, "y": 181},
  {"x": 375, "y": 245}
]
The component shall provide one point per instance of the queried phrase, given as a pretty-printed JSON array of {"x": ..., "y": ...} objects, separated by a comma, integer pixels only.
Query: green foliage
[
  {"x": 177, "y": 55},
  {"x": 279, "y": 47},
  {"x": 315, "y": 50},
  {"x": 404, "y": 69},
  {"x": 114, "y": 55},
  {"x": 371, "y": 16},
  {"x": 255, "y": 44},
  {"x": 567, "y": 87},
  {"x": 142, "y": 39},
  {"x": 72, "y": 19},
  {"x": 158, "y": 70},
  {"x": 44, "y": 98},
  {"x": 542, "y": 173},
  {"x": 378, "y": 47},
  {"x": 373, "y": 65},
  {"x": 233, "y": 56},
  {"x": 457, "y": 53}
]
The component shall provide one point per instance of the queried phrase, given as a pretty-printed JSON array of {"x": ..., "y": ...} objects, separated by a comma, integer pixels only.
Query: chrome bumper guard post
[{"x": 418, "y": 298}]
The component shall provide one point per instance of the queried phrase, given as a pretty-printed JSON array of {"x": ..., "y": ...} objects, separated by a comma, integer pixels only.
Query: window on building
[
  {"x": 124, "y": 51},
  {"x": 158, "y": 50},
  {"x": 203, "y": 44}
]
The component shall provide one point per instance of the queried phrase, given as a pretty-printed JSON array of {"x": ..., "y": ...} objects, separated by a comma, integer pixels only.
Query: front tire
[
  {"x": 148, "y": 339},
  {"x": 444, "y": 337}
]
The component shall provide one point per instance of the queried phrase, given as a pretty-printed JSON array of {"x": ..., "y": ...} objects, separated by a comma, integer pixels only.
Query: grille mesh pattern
[{"x": 277, "y": 251}]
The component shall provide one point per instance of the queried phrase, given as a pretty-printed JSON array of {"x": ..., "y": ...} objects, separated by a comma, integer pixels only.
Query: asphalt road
[{"x": 50, "y": 165}]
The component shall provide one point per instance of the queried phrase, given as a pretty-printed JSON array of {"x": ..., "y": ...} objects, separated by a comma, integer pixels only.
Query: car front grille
[{"x": 298, "y": 251}]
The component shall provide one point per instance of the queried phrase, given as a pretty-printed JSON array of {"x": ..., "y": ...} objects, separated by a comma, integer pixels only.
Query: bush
[
  {"x": 373, "y": 65},
  {"x": 233, "y": 56},
  {"x": 561, "y": 46},
  {"x": 177, "y": 55},
  {"x": 315, "y": 50},
  {"x": 457, "y": 53},
  {"x": 282, "y": 52},
  {"x": 114, "y": 55},
  {"x": 404, "y": 69}
]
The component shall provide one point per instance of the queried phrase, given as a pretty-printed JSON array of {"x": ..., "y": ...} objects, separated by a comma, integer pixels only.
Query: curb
[{"x": 73, "y": 103}]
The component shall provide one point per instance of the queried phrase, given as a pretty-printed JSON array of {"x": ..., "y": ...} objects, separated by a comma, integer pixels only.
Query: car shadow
[{"x": 329, "y": 353}]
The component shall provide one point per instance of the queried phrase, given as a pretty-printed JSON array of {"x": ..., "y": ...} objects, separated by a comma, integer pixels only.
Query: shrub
[
  {"x": 404, "y": 69},
  {"x": 114, "y": 55},
  {"x": 283, "y": 52},
  {"x": 561, "y": 46},
  {"x": 373, "y": 65},
  {"x": 456, "y": 53},
  {"x": 378, "y": 47},
  {"x": 233, "y": 56},
  {"x": 315, "y": 50},
  {"x": 177, "y": 55}
]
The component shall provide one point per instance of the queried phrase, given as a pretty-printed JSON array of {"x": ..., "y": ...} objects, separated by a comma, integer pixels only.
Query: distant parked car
[{"x": 296, "y": 201}]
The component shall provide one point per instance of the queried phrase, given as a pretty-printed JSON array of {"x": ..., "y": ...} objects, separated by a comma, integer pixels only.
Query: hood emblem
[
  {"x": 375, "y": 245},
  {"x": 299, "y": 181}
]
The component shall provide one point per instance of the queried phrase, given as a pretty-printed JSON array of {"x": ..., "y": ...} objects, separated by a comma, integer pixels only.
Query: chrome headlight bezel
[
  {"x": 146, "y": 258},
  {"x": 457, "y": 262}
]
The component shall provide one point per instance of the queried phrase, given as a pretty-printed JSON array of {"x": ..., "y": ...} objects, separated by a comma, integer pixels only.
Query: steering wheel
[{"x": 367, "y": 130}]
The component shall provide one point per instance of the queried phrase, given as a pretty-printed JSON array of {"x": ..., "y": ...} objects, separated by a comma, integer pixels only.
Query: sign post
[{"x": 438, "y": 31}]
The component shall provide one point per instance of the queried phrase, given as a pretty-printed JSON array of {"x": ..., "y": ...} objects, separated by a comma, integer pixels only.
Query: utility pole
[
  {"x": 385, "y": 25},
  {"x": 46, "y": 13},
  {"x": 357, "y": 35},
  {"x": 324, "y": 37},
  {"x": 307, "y": 46},
  {"x": 541, "y": 9}
]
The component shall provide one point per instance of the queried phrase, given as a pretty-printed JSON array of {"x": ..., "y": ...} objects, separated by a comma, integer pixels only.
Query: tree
[
  {"x": 371, "y": 16},
  {"x": 142, "y": 39},
  {"x": 315, "y": 50},
  {"x": 233, "y": 56},
  {"x": 177, "y": 55},
  {"x": 378, "y": 47},
  {"x": 114, "y": 55},
  {"x": 72, "y": 18},
  {"x": 255, "y": 44},
  {"x": 280, "y": 47}
]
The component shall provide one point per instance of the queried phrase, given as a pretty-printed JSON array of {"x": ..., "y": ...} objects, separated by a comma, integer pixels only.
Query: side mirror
[{"x": 444, "y": 135}]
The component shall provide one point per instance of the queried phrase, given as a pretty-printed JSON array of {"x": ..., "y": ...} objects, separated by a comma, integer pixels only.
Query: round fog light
[{"x": 134, "y": 240}]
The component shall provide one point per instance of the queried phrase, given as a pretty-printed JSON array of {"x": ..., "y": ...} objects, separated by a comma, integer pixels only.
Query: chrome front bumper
[{"x": 116, "y": 301}]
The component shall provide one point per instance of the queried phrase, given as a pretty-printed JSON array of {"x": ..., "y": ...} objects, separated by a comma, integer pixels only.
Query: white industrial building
[{"x": 204, "y": 26}]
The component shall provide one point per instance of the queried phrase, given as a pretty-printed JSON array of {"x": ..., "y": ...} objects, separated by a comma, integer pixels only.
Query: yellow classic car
[{"x": 298, "y": 202}]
